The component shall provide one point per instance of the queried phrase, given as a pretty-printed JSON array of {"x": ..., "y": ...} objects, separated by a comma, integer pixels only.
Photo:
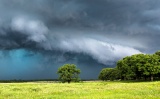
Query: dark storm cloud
[
  {"x": 43, "y": 24},
  {"x": 64, "y": 31}
]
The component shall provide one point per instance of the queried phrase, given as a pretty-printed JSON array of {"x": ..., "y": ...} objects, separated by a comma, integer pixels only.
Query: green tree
[
  {"x": 157, "y": 53},
  {"x": 127, "y": 68},
  {"x": 139, "y": 66},
  {"x": 150, "y": 66},
  {"x": 115, "y": 74},
  {"x": 109, "y": 74},
  {"x": 104, "y": 74},
  {"x": 68, "y": 73}
]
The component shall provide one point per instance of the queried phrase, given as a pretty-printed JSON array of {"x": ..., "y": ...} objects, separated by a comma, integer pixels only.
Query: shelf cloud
[{"x": 83, "y": 32}]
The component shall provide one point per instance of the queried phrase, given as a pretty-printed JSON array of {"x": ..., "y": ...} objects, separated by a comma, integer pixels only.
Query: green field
[{"x": 82, "y": 90}]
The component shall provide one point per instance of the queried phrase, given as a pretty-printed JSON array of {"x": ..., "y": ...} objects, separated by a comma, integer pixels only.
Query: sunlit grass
[{"x": 83, "y": 90}]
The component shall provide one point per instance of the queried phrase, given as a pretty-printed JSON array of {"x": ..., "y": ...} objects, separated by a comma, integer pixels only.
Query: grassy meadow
[{"x": 82, "y": 90}]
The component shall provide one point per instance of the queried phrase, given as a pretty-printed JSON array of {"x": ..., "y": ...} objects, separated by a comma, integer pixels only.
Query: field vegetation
[{"x": 81, "y": 90}]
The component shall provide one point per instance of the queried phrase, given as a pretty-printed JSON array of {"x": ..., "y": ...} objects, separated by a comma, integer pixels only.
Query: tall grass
[{"x": 83, "y": 90}]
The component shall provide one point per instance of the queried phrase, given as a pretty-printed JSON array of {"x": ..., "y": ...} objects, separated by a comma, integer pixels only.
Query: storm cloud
[{"x": 48, "y": 33}]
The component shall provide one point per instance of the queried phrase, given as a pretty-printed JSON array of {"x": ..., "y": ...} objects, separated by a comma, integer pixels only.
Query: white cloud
[
  {"x": 99, "y": 50},
  {"x": 102, "y": 51},
  {"x": 34, "y": 29}
]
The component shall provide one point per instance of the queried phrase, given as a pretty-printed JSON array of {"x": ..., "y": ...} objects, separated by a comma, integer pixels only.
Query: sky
[{"x": 39, "y": 36}]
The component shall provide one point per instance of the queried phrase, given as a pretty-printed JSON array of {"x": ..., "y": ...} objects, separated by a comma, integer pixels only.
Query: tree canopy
[
  {"x": 139, "y": 66},
  {"x": 136, "y": 67},
  {"x": 109, "y": 74},
  {"x": 68, "y": 73}
]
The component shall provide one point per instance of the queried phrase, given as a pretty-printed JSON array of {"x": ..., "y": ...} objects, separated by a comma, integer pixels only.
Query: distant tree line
[{"x": 135, "y": 67}]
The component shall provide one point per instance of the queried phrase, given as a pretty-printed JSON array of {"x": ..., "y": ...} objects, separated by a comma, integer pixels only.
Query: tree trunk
[
  {"x": 145, "y": 78},
  {"x": 151, "y": 77},
  {"x": 69, "y": 81},
  {"x": 136, "y": 78}
]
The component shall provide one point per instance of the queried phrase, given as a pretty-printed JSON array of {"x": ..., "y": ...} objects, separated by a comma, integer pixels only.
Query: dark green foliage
[
  {"x": 135, "y": 67},
  {"x": 128, "y": 67},
  {"x": 109, "y": 74},
  {"x": 139, "y": 66},
  {"x": 68, "y": 73},
  {"x": 157, "y": 53},
  {"x": 151, "y": 67}
]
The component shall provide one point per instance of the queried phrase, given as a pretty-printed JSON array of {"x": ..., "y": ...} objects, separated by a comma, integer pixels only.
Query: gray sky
[{"x": 64, "y": 31}]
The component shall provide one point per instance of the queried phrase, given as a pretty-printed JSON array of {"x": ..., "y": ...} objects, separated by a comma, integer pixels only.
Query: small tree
[
  {"x": 68, "y": 73},
  {"x": 109, "y": 74}
]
